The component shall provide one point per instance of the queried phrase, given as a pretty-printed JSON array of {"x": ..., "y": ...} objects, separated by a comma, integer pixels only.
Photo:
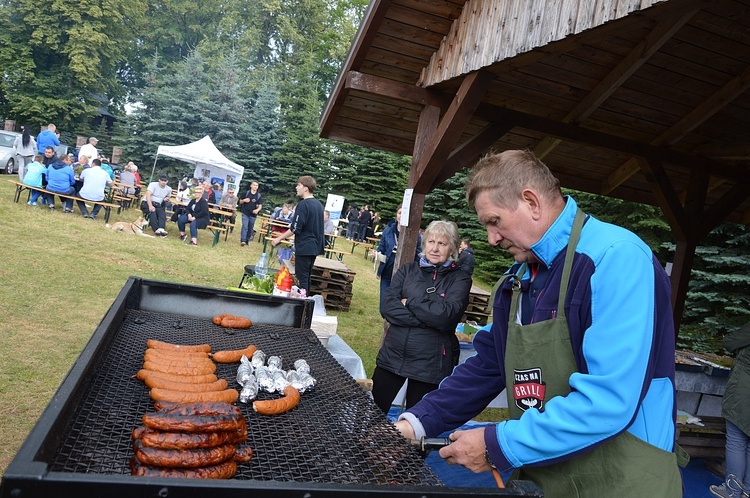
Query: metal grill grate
[{"x": 335, "y": 435}]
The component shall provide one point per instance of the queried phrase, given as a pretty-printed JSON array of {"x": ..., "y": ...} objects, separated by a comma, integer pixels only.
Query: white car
[{"x": 7, "y": 157}]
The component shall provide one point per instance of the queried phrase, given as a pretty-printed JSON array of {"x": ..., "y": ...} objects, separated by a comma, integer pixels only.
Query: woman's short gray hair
[{"x": 447, "y": 229}]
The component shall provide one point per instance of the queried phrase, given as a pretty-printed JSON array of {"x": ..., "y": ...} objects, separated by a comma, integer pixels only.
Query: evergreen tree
[
  {"x": 56, "y": 61},
  {"x": 263, "y": 138},
  {"x": 718, "y": 298}
]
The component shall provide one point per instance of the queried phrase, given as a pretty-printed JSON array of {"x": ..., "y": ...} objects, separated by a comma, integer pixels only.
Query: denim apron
[{"x": 539, "y": 361}]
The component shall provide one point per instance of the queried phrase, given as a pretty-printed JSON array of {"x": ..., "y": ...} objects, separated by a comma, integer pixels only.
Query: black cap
[{"x": 163, "y": 177}]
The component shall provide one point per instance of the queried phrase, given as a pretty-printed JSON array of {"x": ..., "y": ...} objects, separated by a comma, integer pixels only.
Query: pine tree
[{"x": 263, "y": 139}]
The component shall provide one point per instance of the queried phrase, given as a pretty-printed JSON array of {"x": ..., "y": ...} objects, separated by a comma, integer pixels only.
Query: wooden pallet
[
  {"x": 332, "y": 285},
  {"x": 328, "y": 269},
  {"x": 704, "y": 441}
]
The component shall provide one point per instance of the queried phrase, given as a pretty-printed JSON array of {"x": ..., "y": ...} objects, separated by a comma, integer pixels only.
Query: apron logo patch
[{"x": 528, "y": 388}]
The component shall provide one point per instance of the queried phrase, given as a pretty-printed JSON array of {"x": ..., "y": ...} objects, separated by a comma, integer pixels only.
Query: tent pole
[{"x": 153, "y": 168}]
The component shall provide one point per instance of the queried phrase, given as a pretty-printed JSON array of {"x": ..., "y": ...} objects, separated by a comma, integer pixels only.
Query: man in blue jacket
[
  {"x": 582, "y": 339},
  {"x": 48, "y": 137}
]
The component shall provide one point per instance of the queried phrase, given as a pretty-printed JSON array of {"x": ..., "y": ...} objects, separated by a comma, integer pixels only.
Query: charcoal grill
[{"x": 335, "y": 443}]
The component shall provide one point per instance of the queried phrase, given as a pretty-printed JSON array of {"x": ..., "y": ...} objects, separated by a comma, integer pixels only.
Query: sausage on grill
[
  {"x": 153, "y": 343},
  {"x": 224, "y": 470},
  {"x": 192, "y": 379},
  {"x": 176, "y": 369},
  {"x": 275, "y": 406},
  {"x": 188, "y": 361},
  {"x": 189, "y": 441},
  {"x": 170, "y": 422},
  {"x": 183, "y": 459},
  {"x": 233, "y": 356},
  {"x": 227, "y": 395}
]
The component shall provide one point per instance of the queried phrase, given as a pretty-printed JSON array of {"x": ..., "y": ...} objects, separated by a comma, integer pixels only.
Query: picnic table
[{"x": 20, "y": 187}]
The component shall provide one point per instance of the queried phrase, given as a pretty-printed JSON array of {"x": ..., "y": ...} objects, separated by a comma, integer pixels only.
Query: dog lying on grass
[{"x": 136, "y": 228}]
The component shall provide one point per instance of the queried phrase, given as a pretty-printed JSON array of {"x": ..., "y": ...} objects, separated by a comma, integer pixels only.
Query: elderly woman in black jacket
[
  {"x": 196, "y": 214},
  {"x": 423, "y": 305}
]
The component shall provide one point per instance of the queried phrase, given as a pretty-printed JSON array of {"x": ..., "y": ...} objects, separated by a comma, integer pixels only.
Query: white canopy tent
[{"x": 210, "y": 164}]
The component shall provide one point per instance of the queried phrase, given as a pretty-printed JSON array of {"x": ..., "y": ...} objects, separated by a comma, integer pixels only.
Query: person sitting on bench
[
  {"x": 95, "y": 180},
  {"x": 60, "y": 180}
]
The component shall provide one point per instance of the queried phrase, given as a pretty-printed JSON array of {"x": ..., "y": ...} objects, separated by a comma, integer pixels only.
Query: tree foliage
[{"x": 59, "y": 57}]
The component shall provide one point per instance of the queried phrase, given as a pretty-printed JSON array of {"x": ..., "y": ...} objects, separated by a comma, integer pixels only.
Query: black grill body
[{"x": 335, "y": 443}]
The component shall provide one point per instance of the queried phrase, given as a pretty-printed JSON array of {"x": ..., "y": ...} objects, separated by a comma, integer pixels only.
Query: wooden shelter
[{"x": 642, "y": 100}]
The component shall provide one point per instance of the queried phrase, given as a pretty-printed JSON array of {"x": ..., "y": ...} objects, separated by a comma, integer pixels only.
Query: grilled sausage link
[
  {"x": 177, "y": 362},
  {"x": 224, "y": 470},
  {"x": 206, "y": 368},
  {"x": 153, "y": 343},
  {"x": 189, "y": 441},
  {"x": 218, "y": 318},
  {"x": 234, "y": 355},
  {"x": 192, "y": 379},
  {"x": 281, "y": 405},
  {"x": 236, "y": 322},
  {"x": 227, "y": 395},
  {"x": 183, "y": 459},
  {"x": 169, "y": 422}
]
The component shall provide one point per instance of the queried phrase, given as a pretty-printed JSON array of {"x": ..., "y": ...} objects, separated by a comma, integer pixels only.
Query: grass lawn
[{"x": 62, "y": 272}]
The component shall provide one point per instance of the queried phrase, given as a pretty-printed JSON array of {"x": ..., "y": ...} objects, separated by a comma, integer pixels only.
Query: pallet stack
[
  {"x": 333, "y": 280},
  {"x": 478, "y": 308}
]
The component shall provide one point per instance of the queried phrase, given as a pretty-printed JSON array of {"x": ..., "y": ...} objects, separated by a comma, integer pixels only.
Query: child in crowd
[{"x": 34, "y": 173}]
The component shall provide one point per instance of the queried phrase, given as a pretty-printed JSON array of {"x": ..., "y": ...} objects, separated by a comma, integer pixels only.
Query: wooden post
[{"x": 116, "y": 155}]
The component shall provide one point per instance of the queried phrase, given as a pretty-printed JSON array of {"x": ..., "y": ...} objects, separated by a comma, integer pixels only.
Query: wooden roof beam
[
  {"x": 727, "y": 203},
  {"x": 368, "y": 30},
  {"x": 492, "y": 113},
  {"x": 395, "y": 89},
  {"x": 454, "y": 121},
  {"x": 631, "y": 63},
  {"x": 708, "y": 108},
  {"x": 471, "y": 150}
]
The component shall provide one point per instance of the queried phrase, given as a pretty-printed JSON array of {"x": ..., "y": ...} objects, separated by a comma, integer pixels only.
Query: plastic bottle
[{"x": 261, "y": 267}]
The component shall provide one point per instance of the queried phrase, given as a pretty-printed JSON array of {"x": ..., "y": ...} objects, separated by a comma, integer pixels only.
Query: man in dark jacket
[
  {"x": 352, "y": 227},
  {"x": 307, "y": 228},
  {"x": 466, "y": 257},
  {"x": 364, "y": 223},
  {"x": 250, "y": 205}
]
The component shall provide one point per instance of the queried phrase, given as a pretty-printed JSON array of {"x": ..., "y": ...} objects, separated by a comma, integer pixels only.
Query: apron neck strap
[{"x": 575, "y": 235}]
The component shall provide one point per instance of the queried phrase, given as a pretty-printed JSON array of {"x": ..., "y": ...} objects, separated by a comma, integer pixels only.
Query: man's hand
[
  {"x": 467, "y": 449},
  {"x": 152, "y": 209},
  {"x": 405, "y": 429},
  {"x": 275, "y": 241}
]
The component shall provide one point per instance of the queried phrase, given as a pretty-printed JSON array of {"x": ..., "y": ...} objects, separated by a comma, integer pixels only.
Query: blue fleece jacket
[
  {"x": 622, "y": 334},
  {"x": 60, "y": 177}
]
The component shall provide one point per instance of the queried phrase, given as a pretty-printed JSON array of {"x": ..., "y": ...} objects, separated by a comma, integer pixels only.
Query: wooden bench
[
  {"x": 20, "y": 187},
  {"x": 337, "y": 253},
  {"x": 216, "y": 231},
  {"x": 366, "y": 245}
]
